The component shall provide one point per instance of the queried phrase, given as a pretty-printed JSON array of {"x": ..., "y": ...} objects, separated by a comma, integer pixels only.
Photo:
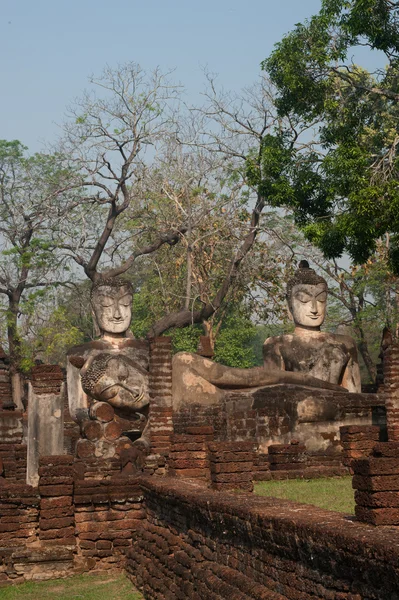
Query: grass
[
  {"x": 333, "y": 493},
  {"x": 82, "y": 587}
]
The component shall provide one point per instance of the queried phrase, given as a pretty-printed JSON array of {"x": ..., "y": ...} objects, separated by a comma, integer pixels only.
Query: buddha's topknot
[{"x": 305, "y": 275}]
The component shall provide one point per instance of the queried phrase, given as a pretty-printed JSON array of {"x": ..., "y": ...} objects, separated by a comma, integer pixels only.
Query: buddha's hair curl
[
  {"x": 304, "y": 275},
  {"x": 114, "y": 282}
]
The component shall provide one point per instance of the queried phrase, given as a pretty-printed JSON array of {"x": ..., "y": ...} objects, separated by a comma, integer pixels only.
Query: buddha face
[
  {"x": 308, "y": 304},
  {"x": 113, "y": 308}
]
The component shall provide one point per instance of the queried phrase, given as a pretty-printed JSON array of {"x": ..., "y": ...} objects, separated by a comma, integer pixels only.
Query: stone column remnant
[{"x": 45, "y": 417}]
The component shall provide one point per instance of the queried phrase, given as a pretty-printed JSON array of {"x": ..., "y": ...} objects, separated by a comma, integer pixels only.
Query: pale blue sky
[{"x": 48, "y": 48}]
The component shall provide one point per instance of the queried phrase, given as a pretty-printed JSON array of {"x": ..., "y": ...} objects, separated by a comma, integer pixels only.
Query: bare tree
[
  {"x": 235, "y": 128},
  {"x": 111, "y": 137}
]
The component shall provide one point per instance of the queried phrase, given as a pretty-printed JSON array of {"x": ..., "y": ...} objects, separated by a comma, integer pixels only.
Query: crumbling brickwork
[
  {"x": 72, "y": 522},
  {"x": 391, "y": 389},
  {"x": 288, "y": 457},
  {"x": 232, "y": 465},
  {"x": 160, "y": 382},
  {"x": 269, "y": 416},
  {"x": 13, "y": 458},
  {"x": 200, "y": 544},
  {"x": 11, "y": 427},
  {"x": 189, "y": 453},
  {"x": 357, "y": 441},
  {"x": 376, "y": 481},
  {"x": 5, "y": 381}
]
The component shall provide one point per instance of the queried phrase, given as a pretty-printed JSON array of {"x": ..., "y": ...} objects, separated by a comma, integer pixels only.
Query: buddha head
[
  {"x": 111, "y": 300},
  {"x": 307, "y": 297}
]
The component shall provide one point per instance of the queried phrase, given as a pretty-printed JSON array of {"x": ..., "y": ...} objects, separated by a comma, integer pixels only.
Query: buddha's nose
[
  {"x": 313, "y": 308},
  {"x": 117, "y": 312}
]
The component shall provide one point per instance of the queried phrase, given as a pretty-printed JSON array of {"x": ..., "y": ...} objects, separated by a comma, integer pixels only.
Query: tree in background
[
  {"x": 111, "y": 136},
  {"x": 34, "y": 199},
  {"x": 344, "y": 182}
]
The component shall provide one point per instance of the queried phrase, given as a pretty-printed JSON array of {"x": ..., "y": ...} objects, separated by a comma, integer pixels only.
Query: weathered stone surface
[{"x": 45, "y": 427}]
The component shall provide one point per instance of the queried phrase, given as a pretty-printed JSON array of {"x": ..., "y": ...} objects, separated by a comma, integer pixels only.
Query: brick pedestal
[
  {"x": 357, "y": 441},
  {"x": 189, "y": 455},
  {"x": 376, "y": 481},
  {"x": 232, "y": 465},
  {"x": 287, "y": 457}
]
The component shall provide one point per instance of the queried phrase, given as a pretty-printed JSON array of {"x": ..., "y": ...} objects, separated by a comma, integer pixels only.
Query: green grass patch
[
  {"x": 333, "y": 493},
  {"x": 82, "y": 587}
]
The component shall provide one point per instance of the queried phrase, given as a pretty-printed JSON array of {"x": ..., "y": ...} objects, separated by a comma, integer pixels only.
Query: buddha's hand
[{"x": 77, "y": 361}]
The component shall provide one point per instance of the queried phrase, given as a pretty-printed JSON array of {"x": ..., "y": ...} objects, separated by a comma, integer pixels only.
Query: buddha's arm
[
  {"x": 272, "y": 358},
  {"x": 231, "y": 377},
  {"x": 351, "y": 378}
]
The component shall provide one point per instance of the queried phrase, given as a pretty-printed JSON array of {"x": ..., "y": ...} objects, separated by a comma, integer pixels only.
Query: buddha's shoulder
[
  {"x": 279, "y": 340},
  {"x": 83, "y": 349},
  {"x": 337, "y": 338}
]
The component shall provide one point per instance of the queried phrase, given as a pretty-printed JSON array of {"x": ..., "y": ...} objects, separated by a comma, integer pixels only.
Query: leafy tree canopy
[{"x": 343, "y": 177}]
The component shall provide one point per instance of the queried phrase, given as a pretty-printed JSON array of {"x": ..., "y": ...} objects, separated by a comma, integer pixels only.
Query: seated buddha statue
[
  {"x": 327, "y": 356},
  {"x": 113, "y": 368}
]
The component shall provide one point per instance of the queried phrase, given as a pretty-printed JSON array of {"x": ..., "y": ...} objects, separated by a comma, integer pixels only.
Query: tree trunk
[
  {"x": 16, "y": 387},
  {"x": 368, "y": 361},
  {"x": 14, "y": 345}
]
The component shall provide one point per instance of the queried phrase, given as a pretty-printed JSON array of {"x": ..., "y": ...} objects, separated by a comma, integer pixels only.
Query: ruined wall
[
  {"x": 278, "y": 414},
  {"x": 71, "y": 523},
  {"x": 181, "y": 540},
  {"x": 199, "y": 544},
  {"x": 11, "y": 427}
]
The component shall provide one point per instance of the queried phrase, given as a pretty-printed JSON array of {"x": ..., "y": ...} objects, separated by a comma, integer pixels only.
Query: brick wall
[
  {"x": 13, "y": 453},
  {"x": 200, "y": 544},
  {"x": 358, "y": 442},
  {"x": 11, "y": 427},
  {"x": 160, "y": 383},
  {"x": 5, "y": 381},
  {"x": 391, "y": 388},
  {"x": 71, "y": 523},
  {"x": 271, "y": 416}
]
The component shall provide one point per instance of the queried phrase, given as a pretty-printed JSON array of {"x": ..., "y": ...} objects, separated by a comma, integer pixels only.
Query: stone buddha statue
[
  {"x": 114, "y": 368},
  {"x": 327, "y": 356}
]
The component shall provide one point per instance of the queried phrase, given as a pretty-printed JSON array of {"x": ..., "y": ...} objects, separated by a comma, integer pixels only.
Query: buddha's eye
[
  {"x": 322, "y": 297},
  {"x": 106, "y": 301},
  {"x": 126, "y": 300},
  {"x": 303, "y": 297}
]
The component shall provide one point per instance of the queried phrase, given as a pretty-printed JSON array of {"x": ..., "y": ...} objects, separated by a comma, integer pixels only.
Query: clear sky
[{"x": 48, "y": 48}]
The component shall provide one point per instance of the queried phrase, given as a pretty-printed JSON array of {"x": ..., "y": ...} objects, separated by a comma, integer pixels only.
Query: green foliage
[
  {"x": 233, "y": 345},
  {"x": 344, "y": 184},
  {"x": 31, "y": 211},
  {"x": 186, "y": 339},
  {"x": 57, "y": 336}
]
